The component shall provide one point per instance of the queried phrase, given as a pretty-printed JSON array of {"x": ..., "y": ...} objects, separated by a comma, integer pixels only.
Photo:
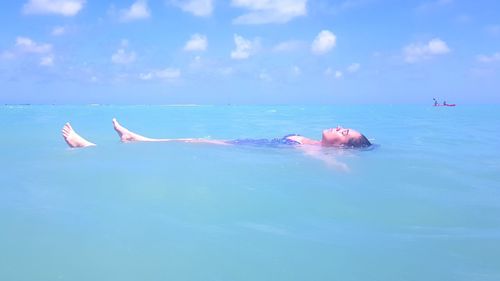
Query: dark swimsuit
[{"x": 284, "y": 141}]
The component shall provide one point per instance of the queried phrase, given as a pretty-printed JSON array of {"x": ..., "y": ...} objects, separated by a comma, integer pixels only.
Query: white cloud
[
  {"x": 417, "y": 51},
  {"x": 139, "y": 10},
  {"x": 62, "y": 7},
  {"x": 47, "y": 60},
  {"x": 124, "y": 43},
  {"x": 488, "y": 59},
  {"x": 26, "y": 45},
  {"x": 353, "y": 67},
  {"x": 264, "y": 76},
  {"x": 269, "y": 11},
  {"x": 324, "y": 42},
  {"x": 121, "y": 56},
  {"x": 330, "y": 72},
  {"x": 58, "y": 31},
  {"x": 197, "y": 42},
  {"x": 288, "y": 46},
  {"x": 338, "y": 74},
  {"x": 164, "y": 74},
  {"x": 200, "y": 8},
  {"x": 146, "y": 76},
  {"x": 244, "y": 48},
  {"x": 168, "y": 73},
  {"x": 197, "y": 63}
]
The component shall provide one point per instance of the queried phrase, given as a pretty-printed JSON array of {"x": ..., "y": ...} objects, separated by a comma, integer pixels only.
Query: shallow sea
[{"x": 423, "y": 204}]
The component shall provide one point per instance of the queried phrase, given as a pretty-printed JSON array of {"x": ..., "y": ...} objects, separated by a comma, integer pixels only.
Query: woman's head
[{"x": 344, "y": 137}]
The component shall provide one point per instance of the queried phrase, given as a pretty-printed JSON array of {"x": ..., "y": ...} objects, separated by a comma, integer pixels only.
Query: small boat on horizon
[
  {"x": 451, "y": 104},
  {"x": 436, "y": 103}
]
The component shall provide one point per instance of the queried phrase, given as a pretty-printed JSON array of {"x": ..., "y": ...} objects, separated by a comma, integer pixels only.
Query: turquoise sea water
[{"x": 424, "y": 204}]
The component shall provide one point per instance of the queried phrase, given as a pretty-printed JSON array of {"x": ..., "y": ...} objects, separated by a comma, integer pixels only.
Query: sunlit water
[{"x": 424, "y": 204}]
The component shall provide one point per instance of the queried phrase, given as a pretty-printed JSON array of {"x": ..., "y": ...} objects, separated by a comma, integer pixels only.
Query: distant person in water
[
  {"x": 435, "y": 102},
  {"x": 334, "y": 137}
]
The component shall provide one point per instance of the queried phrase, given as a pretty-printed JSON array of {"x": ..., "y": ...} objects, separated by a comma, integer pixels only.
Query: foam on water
[{"x": 423, "y": 205}]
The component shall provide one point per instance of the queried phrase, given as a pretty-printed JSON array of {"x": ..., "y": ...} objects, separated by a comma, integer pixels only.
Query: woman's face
[{"x": 338, "y": 136}]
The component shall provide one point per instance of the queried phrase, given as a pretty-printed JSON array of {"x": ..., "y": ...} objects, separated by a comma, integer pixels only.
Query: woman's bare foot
[
  {"x": 126, "y": 135},
  {"x": 73, "y": 139}
]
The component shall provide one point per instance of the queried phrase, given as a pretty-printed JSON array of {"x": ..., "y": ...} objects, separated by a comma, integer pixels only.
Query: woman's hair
[{"x": 360, "y": 142}]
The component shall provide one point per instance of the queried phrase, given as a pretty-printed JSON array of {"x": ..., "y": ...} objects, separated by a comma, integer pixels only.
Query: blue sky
[{"x": 249, "y": 52}]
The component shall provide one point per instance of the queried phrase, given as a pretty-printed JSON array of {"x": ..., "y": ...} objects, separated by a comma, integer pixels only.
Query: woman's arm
[{"x": 316, "y": 152}]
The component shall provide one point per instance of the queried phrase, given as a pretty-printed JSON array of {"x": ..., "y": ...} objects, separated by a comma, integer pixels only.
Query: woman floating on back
[{"x": 334, "y": 137}]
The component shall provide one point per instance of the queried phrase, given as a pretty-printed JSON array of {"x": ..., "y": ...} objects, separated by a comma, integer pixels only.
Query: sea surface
[{"x": 422, "y": 204}]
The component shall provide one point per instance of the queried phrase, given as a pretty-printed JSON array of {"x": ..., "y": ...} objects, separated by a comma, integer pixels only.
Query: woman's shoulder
[{"x": 302, "y": 140}]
